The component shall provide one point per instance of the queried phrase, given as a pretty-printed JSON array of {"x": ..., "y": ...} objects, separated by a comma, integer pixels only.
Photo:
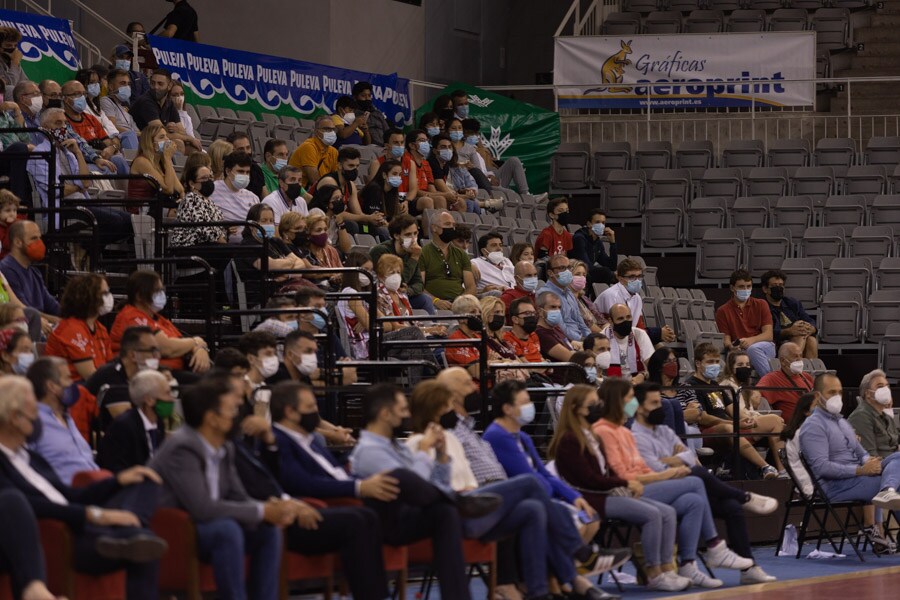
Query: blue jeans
[
  {"x": 656, "y": 520},
  {"x": 759, "y": 354},
  {"x": 688, "y": 497},
  {"x": 674, "y": 416},
  {"x": 864, "y": 487},
  {"x": 129, "y": 140},
  {"x": 223, "y": 543},
  {"x": 422, "y": 302}
]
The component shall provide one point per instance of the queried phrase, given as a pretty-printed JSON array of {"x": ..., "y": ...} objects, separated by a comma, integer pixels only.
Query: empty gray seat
[
  {"x": 824, "y": 243},
  {"x": 722, "y": 182},
  {"x": 871, "y": 241},
  {"x": 791, "y": 154},
  {"x": 849, "y": 274},
  {"x": 683, "y": 5},
  {"x": 766, "y": 249},
  {"x": 765, "y": 4},
  {"x": 621, "y": 23},
  {"x": 750, "y": 212},
  {"x": 807, "y": 4},
  {"x": 703, "y": 214},
  {"x": 815, "y": 182},
  {"x": 569, "y": 166},
  {"x": 887, "y": 275},
  {"x": 804, "y": 280},
  {"x": 846, "y": 211},
  {"x": 885, "y": 210},
  {"x": 625, "y": 193},
  {"x": 837, "y": 153},
  {"x": 653, "y": 155},
  {"x": 743, "y": 155},
  {"x": 841, "y": 317},
  {"x": 663, "y": 21},
  {"x": 608, "y": 157},
  {"x": 641, "y": 6},
  {"x": 788, "y": 19},
  {"x": 767, "y": 181},
  {"x": 883, "y": 151},
  {"x": 705, "y": 21},
  {"x": 865, "y": 179},
  {"x": 725, "y": 5},
  {"x": 795, "y": 213},
  {"x": 745, "y": 20},
  {"x": 882, "y": 309},
  {"x": 696, "y": 156},
  {"x": 662, "y": 223},
  {"x": 889, "y": 352},
  {"x": 671, "y": 183},
  {"x": 832, "y": 27},
  {"x": 719, "y": 253}
]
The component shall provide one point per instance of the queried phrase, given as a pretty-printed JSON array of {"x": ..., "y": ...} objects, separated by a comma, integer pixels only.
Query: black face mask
[
  {"x": 54, "y": 103},
  {"x": 301, "y": 239},
  {"x": 402, "y": 428},
  {"x": 366, "y": 105},
  {"x": 36, "y": 432},
  {"x": 449, "y": 420},
  {"x": 622, "y": 329},
  {"x": 595, "y": 413},
  {"x": 563, "y": 219},
  {"x": 530, "y": 324},
  {"x": 310, "y": 422},
  {"x": 656, "y": 416},
  {"x": 337, "y": 207},
  {"x": 448, "y": 234},
  {"x": 293, "y": 191},
  {"x": 473, "y": 323},
  {"x": 207, "y": 188},
  {"x": 351, "y": 175},
  {"x": 445, "y": 114},
  {"x": 472, "y": 402},
  {"x": 742, "y": 375},
  {"x": 777, "y": 292},
  {"x": 497, "y": 322}
]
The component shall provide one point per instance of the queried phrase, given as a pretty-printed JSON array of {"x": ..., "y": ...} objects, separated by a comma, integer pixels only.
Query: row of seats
[
  {"x": 810, "y": 278},
  {"x": 575, "y": 166},
  {"x": 686, "y": 6},
  {"x": 832, "y": 25}
]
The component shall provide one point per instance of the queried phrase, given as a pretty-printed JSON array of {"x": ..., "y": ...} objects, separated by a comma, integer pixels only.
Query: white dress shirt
[
  {"x": 502, "y": 274},
  {"x": 148, "y": 427},
  {"x": 619, "y": 294},
  {"x": 22, "y": 463}
]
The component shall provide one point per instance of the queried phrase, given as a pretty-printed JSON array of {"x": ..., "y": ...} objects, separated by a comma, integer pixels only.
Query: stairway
[{"x": 880, "y": 56}]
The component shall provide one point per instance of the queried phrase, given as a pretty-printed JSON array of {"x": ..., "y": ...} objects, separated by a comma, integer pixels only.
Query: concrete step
[
  {"x": 889, "y": 71},
  {"x": 865, "y": 106},
  {"x": 886, "y": 20},
  {"x": 875, "y": 34},
  {"x": 873, "y": 90},
  {"x": 881, "y": 48}
]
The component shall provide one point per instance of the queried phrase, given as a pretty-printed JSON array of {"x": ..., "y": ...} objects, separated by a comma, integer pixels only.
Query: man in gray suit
[{"x": 197, "y": 464}]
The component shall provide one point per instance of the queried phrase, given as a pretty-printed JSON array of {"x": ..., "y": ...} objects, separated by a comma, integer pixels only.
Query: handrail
[
  {"x": 574, "y": 9},
  {"x": 91, "y": 47},
  {"x": 101, "y": 19}
]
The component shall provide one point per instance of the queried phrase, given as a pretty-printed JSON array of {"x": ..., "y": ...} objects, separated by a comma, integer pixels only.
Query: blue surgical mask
[
  {"x": 396, "y": 151},
  {"x": 432, "y": 131},
  {"x": 70, "y": 395},
  {"x": 463, "y": 110},
  {"x": 124, "y": 93},
  {"x": 424, "y": 148},
  {"x": 598, "y": 229},
  {"x": 712, "y": 371},
  {"x": 565, "y": 278},
  {"x": 123, "y": 64},
  {"x": 93, "y": 90},
  {"x": 630, "y": 407},
  {"x": 554, "y": 317},
  {"x": 472, "y": 140},
  {"x": 270, "y": 230},
  {"x": 743, "y": 295},
  {"x": 634, "y": 287},
  {"x": 526, "y": 414},
  {"x": 446, "y": 154},
  {"x": 280, "y": 163},
  {"x": 161, "y": 145},
  {"x": 456, "y": 135},
  {"x": 329, "y": 138},
  {"x": 530, "y": 284},
  {"x": 591, "y": 373},
  {"x": 159, "y": 300},
  {"x": 318, "y": 321},
  {"x": 79, "y": 104},
  {"x": 292, "y": 325},
  {"x": 394, "y": 181}
]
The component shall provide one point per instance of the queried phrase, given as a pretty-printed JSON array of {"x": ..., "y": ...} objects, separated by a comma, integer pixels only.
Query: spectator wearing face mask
[
  {"x": 122, "y": 60},
  {"x": 783, "y": 388},
  {"x": 240, "y": 143},
  {"x": 288, "y": 195},
  {"x": 790, "y": 321},
  {"x": 184, "y": 129},
  {"x": 589, "y": 247},
  {"x": 746, "y": 322},
  {"x": 317, "y": 156},
  {"x": 555, "y": 238},
  {"x": 20, "y": 281},
  {"x": 404, "y": 243},
  {"x": 630, "y": 274},
  {"x": 555, "y": 345},
  {"x": 592, "y": 317},
  {"x": 28, "y": 97},
  {"x": 260, "y": 349},
  {"x": 377, "y": 122},
  {"x": 11, "y": 72},
  {"x": 231, "y": 195},
  {"x": 497, "y": 273},
  {"x": 446, "y": 269},
  {"x": 16, "y": 351},
  {"x": 526, "y": 282},
  {"x": 116, "y": 104},
  {"x": 560, "y": 279},
  {"x": 344, "y": 177},
  {"x": 155, "y": 159},
  {"x": 155, "y": 107},
  {"x": 91, "y": 82},
  {"x": 198, "y": 208},
  {"x": 392, "y": 300},
  {"x": 350, "y": 127},
  {"x": 873, "y": 418}
]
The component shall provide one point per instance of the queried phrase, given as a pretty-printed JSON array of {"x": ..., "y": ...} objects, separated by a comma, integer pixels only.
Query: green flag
[{"x": 512, "y": 128}]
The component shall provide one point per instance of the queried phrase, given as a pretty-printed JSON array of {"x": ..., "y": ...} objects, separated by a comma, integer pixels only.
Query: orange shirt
[
  {"x": 73, "y": 341},
  {"x": 132, "y": 316},
  {"x": 461, "y": 355},
  {"x": 89, "y": 127},
  {"x": 424, "y": 176},
  {"x": 529, "y": 349},
  {"x": 620, "y": 450}
]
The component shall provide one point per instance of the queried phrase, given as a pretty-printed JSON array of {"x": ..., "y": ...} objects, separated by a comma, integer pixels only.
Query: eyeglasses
[
  {"x": 529, "y": 313},
  {"x": 632, "y": 277},
  {"x": 153, "y": 351},
  {"x": 558, "y": 269}
]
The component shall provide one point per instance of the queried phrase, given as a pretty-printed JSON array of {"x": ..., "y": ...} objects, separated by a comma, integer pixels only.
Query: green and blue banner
[
  {"x": 259, "y": 83},
  {"x": 47, "y": 46}
]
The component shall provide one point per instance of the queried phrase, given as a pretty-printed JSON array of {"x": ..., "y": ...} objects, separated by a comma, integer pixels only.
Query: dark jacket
[
  {"x": 793, "y": 310},
  {"x": 301, "y": 475},
  {"x": 125, "y": 443},
  {"x": 589, "y": 250},
  {"x": 582, "y": 470}
]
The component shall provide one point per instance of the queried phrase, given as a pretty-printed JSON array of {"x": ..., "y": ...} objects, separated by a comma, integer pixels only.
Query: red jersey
[
  {"x": 131, "y": 316},
  {"x": 75, "y": 342},
  {"x": 424, "y": 176},
  {"x": 554, "y": 243},
  {"x": 89, "y": 127}
]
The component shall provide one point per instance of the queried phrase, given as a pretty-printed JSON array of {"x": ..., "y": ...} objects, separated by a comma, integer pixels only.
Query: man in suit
[
  {"x": 135, "y": 435},
  {"x": 197, "y": 463},
  {"x": 21, "y": 555},
  {"x": 108, "y": 518}
]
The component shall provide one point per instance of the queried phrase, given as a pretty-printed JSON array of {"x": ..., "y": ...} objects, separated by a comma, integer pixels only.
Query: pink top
[{"x": 622, "y": 454}]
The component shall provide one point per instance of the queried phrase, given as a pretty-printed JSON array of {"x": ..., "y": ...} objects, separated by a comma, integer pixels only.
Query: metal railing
[{"x": 89, "y": 52}]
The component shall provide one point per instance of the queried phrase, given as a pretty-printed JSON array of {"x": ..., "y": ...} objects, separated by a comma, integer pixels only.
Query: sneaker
[
  {"x": 760, "y": 505},
  {"x": 783, "y": 474},
  {"x": 888, "y": 499},
  {"x": 140, "y": 548},
  {"x": 541, "y": 197},
  {"x": 769, "y": 472},
  {"x": 721, "y": 555},
  {"x": 880, "y": 543},
  {"x": 664, "y": 583},
  {"x": 756, "y": 575},
  {"x": 704, "y": 451},
  {"x": 603, "y": 560},
  {"x": 493, "y": 203},
  {"x": 698, "y": 578}
]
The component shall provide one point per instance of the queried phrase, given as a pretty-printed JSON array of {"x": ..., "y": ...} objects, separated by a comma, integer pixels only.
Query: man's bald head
[
  {"x": 525, "y": 269},
  {"x": 789, "y": 353},
  {"x": 619, "y": 313},
  {"x": 460, "y": 384}
]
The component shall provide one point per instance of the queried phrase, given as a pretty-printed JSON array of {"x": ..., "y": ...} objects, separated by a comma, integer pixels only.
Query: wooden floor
[{"x": 864, "y": 585}]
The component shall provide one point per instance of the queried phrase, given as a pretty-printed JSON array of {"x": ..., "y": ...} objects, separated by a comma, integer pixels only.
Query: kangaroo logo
[{"x": 613, "y": 70}]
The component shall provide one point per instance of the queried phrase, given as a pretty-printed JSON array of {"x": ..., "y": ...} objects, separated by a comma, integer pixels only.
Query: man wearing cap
[{"x": 122, "y": 59}]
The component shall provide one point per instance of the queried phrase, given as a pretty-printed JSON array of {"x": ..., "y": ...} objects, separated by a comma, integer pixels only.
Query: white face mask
[
  {"x": 883, "y": 396},
  {"x": 241, "y": 180},
  {"x": 268, "y": 366},
  {"x": 159, "y": 301},
  {"x": 889, "y": 413},
  {"x": 364, "y": 280},
  {"x": 495, "y": 257},
  {"x": 151, "y": 364},
  {"x": 308, "y": 363},
  {"x": 349, "y": 118},
  {"x": 408, "y": 242},
  {"x": 393, "y": 282},
  {"x": 602, "y": 360},
  {"x": 107, "y": 305},
  {"x": 834, "y": 405},
  {"x": 797, "y": 367},
  {"x": 37, "y": 103}
]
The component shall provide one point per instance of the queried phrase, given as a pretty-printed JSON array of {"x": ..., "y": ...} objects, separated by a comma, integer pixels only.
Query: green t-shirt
[
  {"x": 271, "y": 178},
  {"x": 437, "y": 282}
]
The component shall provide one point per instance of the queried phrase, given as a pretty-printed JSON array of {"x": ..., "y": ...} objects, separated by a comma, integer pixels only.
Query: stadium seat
[
  {"x": 696, "y": 156},
  {"x": 621, "y": 23},
  {"x": 726, "y": 183},
  {"x": 662, "y": 22},
  {"x": 767, "y": 181},
  {"x": 887, "y": 275},
  {"x": 871, "y": 241},
  {"x": 883, "y": 151},
  {"x": 719, "y": 253},
  {"x": 804, "y": 280},
  {"x": 725, "y": 5},
  {"x": 837, "y": 153},
  {"x": 685, "y": 6},
  {"x": 608, "y": 157},
  {"x": 882, "y": 309},
  {"x": 641, "y": 6},
  {"x": 790, "y": 154},
  {"x": 794, "y": 212},
  {"x": 764, "y": 4},
  {"x": 703, "y": 214},
  {"x": 671, "y": 183},
  {"x": 662, "y": 223},
  {"x": 746, "y": 21},
  {"x": 832, "y": 27},
  {"x": 766, "y": 249},
  {"x": 885, "y": 210},
  {"x": 807, "y": 4},
  {"x": 865, "y": 179},
  {"x": 750, "y": 212},
  {"x": 625, "y": 193},
  {"x": 841, "y": 318},
  {"x": 705, "y": 21},
  {"x": 788, "y": 19},
  {"x": 849, "y": 274},
  {"x": 846, "y": 211},
  {"x": 815, "y": 182},
  {"x": 824, "y": 243},
  {"x": 889, "y": 352},
  {"x": 653, "y": 155},
  {"x": 743, "y": 154},
  {"x": 569, "y": 166}
]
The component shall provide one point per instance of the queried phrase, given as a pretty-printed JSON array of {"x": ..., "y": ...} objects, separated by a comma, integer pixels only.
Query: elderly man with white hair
[
  {"x": 134, "y": 436},
  {"x": 873, "y": 418}
]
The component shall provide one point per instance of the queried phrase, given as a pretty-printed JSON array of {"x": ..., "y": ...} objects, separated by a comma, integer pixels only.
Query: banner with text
[
  {"x": 47, "y": 46},
  {"x": 588, "y": 71},
  {"x": 259, "y": 83}
]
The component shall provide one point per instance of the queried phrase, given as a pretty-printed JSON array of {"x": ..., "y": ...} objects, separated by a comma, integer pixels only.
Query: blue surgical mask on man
[
  {"x": 598, "y": 229},
  {"x": 123, "y": 64},
  {"x": 711, "y": 372},
  {"x": 79, "y": 104},
  {"x": 742, "y": 295},
  {"x": 472, "y": 140},
  {"x": 318, "y": 321},
  {"x": 280, "y": 163},
  {"x": 396, "y": 151},
  {"x": 565, "y": 278},
  {"x": 432, "y": 131},
  {"x": 529, "y": 284},
  {"x": 463, "y": 110},
  {"x": 424, "y": 148},
  {"x": 124, "y": 93},
  {"x": 554, "y": 317},
  {"x": 634, "y": 287}
]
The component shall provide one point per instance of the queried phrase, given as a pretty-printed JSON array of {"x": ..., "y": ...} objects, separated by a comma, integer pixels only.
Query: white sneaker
[
  {"x": 769, "y": 472},
  {"x": 887, "y": 499},
  {"x": 756, "y": 575},
  {"x": 760, "y": 505},
  {"x": 723, "y": 556},
  {"x": 704, "y": 451},
  {"x": 663, "y": 583},
  {"x": 698, "y": 578}
]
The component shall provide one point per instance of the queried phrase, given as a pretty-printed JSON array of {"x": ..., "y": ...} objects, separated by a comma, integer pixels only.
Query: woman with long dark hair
[
  {"x": 381, "y": 193},
  {"x": 662, "y": 368}
]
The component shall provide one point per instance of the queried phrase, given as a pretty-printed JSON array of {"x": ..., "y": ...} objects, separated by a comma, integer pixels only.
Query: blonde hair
[
  {"x": 574, "y": 264},
  {"x": 488, "y": 304},
  {"x": 386, "y": 262},
  {"x": 146, "y": 145},
  {"x": 288, "y": 220},
  {"x": 217, "y": 152},
  {"x": 13, "y": 391},
  {"x": 7, "y": 310},
  {"x": 314, "y": 217},
  {"x": 7, "y": 198},
  {"x": 465, "y": 303}
]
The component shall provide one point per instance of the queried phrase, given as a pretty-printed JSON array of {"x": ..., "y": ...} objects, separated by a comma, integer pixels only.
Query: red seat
[
  {"x": 474, "y": 553},
  {"x": 297, "y": 567},
  {"x": 5, "y": 587}
]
